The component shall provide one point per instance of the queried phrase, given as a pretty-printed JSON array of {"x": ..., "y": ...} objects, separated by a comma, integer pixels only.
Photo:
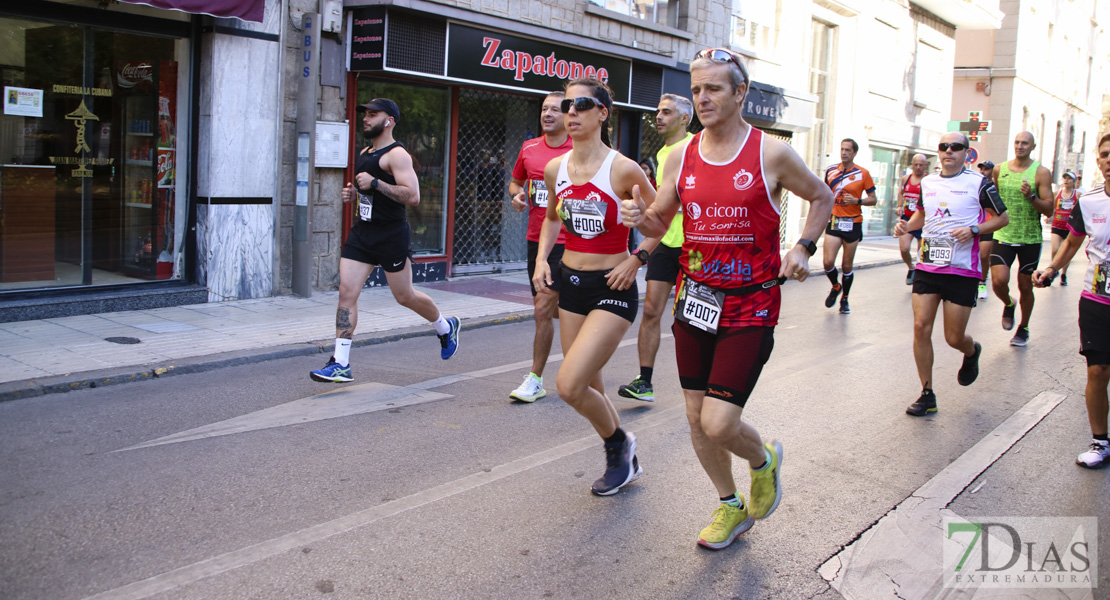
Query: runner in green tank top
[{"x": 1026, "y": 188}]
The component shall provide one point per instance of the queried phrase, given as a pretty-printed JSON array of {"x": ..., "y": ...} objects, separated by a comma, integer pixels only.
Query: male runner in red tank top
[
  {"x": 909, "y": 192},
  {"x": 729, "y": 180}
]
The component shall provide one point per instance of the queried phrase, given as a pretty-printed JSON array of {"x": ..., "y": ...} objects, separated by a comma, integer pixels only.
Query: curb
[{"x": 58, "y": 384}]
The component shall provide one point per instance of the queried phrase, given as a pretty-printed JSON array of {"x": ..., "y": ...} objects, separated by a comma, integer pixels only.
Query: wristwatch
[
  {"x": 642, "y": 255},
  {"x": 974, "y": 230},
  {"x": 374, "y": 184},
  {"x": 809, "y": 245}
]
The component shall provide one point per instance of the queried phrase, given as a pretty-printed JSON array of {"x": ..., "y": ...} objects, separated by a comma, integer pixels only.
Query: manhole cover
[{"x": 123, "y": 340}]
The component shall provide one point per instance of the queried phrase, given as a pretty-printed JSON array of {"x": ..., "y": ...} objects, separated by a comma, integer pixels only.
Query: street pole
[{"x": 307, "y": 92}]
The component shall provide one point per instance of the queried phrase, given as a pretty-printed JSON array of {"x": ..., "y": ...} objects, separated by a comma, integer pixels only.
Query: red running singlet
[
  {"x": 591, "y": 212},
  {"x": 731, "y": 228},
  {"x": 911, "y": 196}
]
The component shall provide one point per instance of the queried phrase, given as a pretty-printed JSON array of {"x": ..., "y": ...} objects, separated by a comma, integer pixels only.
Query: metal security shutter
[
  {"x": 647, "y": 85},
  {"x": 489, "y": 234},
  {"x": 416, "y": 43}
]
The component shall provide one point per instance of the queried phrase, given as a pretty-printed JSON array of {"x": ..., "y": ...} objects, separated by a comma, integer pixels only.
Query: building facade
[{"x": 1044, "y": 72}]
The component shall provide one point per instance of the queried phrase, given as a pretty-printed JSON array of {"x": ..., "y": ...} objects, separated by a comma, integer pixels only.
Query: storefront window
[
  {"x": 423, "y": 131},
  {"x": 878, "y": 220},
  {"x": 89, "y": 155}
]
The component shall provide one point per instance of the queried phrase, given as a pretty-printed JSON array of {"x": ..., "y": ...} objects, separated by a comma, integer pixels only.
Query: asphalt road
[{"x": 422, "y": 480}]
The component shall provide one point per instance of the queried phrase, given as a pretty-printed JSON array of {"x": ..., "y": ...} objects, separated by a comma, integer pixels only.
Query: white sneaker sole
[{"x": 528, "y": 399}]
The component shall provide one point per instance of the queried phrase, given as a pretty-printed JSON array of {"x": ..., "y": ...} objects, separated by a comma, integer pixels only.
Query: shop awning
[{"x": 247, "y": 10}]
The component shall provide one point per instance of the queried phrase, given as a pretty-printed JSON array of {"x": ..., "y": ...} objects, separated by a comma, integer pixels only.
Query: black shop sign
[
  {"x": 506, "y": 60},
  {"x": 368, "y": 39}
]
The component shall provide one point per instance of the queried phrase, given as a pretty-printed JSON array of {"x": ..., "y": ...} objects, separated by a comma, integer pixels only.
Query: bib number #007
[{"x": 701, "y": 306}]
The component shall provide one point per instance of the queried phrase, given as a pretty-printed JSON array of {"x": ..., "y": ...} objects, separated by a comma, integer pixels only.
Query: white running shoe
[
  {"x": 1098, "y": 455},
  {"x": 529, "y": 391},
  {"x": 982, "y": 291}
]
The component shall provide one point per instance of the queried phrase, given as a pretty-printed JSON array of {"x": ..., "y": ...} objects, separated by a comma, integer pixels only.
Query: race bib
[
  {"x": 365, "y": 206},
  {"x": 1067, "y": 204},
  {"x": 584, "y": 218},
  {"x": 845, "y": 223},
  {"x": 539, "y": 193},
  {"x": 1102, "y": 279},
  {"x": 700, "y": 305},
  {"x": 937, "y": 250}
]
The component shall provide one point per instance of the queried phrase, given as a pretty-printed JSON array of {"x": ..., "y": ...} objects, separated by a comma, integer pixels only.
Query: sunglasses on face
[
  {"x": 955, "y": 146},
  {"x": 581, "y": 104},
  {"x": 719, "y": 55}
]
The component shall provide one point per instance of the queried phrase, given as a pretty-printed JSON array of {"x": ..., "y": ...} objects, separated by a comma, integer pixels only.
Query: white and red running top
[
  {"x": 1091, "y": 217},
  {"x": 959, "y": 200}
]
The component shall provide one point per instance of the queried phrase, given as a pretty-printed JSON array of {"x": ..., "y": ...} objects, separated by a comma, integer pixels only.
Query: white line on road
[
  {"x": 297, "y": 539},
  {"x": 901, "y": 555}
]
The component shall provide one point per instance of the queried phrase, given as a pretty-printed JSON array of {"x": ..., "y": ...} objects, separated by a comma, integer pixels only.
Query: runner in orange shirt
[{"x": 852, "y": 186}]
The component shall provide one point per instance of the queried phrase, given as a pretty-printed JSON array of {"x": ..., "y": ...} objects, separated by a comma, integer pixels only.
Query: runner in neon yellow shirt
[{"x": 671, "y": 120}]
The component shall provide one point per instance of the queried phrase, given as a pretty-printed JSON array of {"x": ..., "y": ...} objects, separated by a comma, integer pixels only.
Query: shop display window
[{"x": 88, "y": 156}]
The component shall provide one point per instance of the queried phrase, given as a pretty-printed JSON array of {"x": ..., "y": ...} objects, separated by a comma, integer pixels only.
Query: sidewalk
[{"x": 68, "y": 353}]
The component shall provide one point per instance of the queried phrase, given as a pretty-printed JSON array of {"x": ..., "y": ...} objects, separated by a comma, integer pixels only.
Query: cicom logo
[
  {"x": 743, "y": 180},
  {"x": 694, "y": 210}
]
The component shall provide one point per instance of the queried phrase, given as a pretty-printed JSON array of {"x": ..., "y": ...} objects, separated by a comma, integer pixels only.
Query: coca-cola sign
[{"x": 133, "y": 73}]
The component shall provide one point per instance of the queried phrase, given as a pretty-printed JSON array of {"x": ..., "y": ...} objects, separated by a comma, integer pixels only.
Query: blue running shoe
[
  {"x": 332, "y": 371},
  {"x": 449, "y": 342},
  {"x": 621, "y": 467}
]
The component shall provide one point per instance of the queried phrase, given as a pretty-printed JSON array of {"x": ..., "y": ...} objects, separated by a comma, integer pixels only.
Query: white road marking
[
  {"x": 251, "y": 554},
  {"x": 901, "y": 555},
  {"x": 351, "y": 400}
]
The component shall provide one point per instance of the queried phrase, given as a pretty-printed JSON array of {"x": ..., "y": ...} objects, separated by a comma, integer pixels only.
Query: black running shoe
[
  {"x": 926, "y": 404},
  {"x": 1021, "y": 337},
  {"x": 1008, "y": 315},
  {"x": 844, "y": 308},
  {"x": 1063, "y": 279},
  {"x": 970, "y": 369},
  {"x": 619, "y": 467},
  {"x": 833, "y": 293},
  {"x": 909, "y": 277}
]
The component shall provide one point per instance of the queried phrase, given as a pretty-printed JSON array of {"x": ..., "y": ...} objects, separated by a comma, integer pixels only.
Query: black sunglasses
[
  {"x": 956, "y": 146},
  {"x": 581, "y": 104},
  {"x": 720, "y": 55}
]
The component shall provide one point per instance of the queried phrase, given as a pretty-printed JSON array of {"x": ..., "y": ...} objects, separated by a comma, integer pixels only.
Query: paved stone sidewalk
[{"x": 60, "y": 354}]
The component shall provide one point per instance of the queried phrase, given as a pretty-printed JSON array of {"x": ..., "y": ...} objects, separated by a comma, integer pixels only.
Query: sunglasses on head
[
  {"x": 580, "y": 104},
  {"x": 719, "y": 55},
  {"x": 955, "y": 146}
]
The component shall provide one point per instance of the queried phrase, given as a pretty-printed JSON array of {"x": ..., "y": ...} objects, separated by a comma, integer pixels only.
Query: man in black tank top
[{"x": 385, "y": 182}]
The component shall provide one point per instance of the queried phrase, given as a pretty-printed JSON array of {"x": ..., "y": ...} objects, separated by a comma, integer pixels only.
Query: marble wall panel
[{"x": 239, "y": 257}]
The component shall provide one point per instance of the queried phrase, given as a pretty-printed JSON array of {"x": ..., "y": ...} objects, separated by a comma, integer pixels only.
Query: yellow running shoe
[
  {"x": 766, "y": 485},
  {"x": 728, "y": 523}
]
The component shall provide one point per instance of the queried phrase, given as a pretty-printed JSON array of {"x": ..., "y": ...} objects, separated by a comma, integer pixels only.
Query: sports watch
[
  {"x": 809, "y": 245},
  {"x": 642, "y": 255},
  {"x": 974, "y": 230}
]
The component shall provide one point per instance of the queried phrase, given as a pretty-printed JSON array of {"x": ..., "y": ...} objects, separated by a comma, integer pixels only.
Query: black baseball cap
[
  {"x": 384, "y": 105},
  {"x": 988, "y": 164}
]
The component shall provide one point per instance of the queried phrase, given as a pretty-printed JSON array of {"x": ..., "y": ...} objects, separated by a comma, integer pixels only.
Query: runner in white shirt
[
  {"x": 956, "y": 206},
  {"x": 1091, "y": 219}
]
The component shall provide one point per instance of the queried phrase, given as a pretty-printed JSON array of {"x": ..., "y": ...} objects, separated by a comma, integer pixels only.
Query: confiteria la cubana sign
[{"x": 501, "y": 59}]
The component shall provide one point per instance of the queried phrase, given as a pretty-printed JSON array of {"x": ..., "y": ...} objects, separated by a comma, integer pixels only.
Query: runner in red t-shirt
[
  {"x": 1065, "y": 202},
  {"x": 729, "y": 180},
  {"x": 909, "y": 193},
  {"x": 529, "y": 191}
]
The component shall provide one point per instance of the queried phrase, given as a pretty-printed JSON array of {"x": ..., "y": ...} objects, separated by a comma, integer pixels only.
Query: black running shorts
[
  {"x": 855, "y": 235},
  {"x": 1060, "y": 231},
  {"x": 916, "y": 232},
  {"x": 554, "y": 262},
  {"x": 1027, "y": 255},
  {"x": 585, "y": 291},
  {"x": 726, "y": 365},
  {"x": 1094, "y": 331},
  {"x": 956, "y": 289},
  {"x": 385, "y": 246},
  {"x": 663, "y": 264}
]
